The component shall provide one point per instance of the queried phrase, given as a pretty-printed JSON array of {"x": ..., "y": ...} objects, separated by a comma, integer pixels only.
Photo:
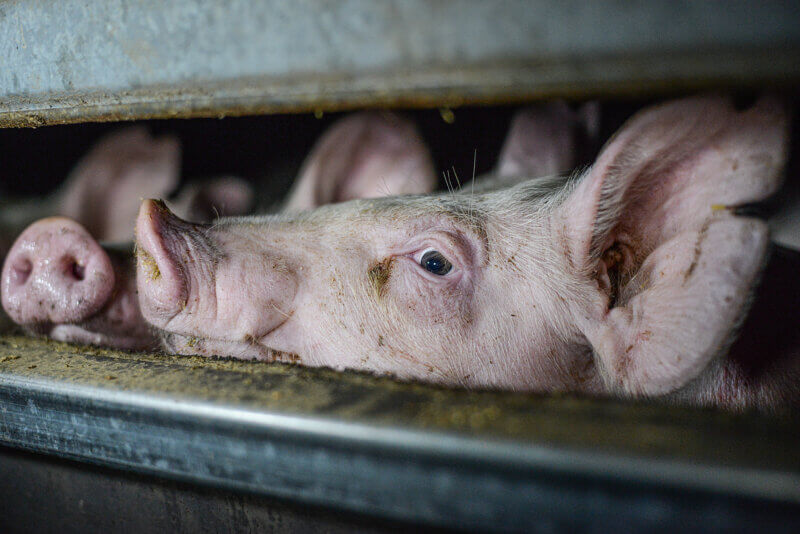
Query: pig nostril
[
  {"x": 78, "y": 271},
  {"x": 21, "y": 271},
  {"x": 75, "y": 269}
]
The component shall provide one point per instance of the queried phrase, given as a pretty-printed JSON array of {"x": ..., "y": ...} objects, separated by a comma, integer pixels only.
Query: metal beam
[
  {"x": 418, "y": 453},
  {"x": 73, "y": 61}
]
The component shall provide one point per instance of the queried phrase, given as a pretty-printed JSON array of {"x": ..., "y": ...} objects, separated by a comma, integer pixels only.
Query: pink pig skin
[{"x": 629, "y": 280}]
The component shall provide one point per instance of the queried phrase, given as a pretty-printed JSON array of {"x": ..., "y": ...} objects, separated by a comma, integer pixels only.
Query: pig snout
[
  {"x": 55, "y": 273},
  {"x": 159, "y": 269},
  {"x": 191, "y": 280}
]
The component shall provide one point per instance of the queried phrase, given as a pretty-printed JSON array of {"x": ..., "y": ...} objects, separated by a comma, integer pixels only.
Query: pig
[
  {"x": 628, "y": 279},
  {"x": 102, "y": 191},
  {"x": 366, "y": 155},
  {"x": 549, "y": 139},
  {"x": 52, "y": 257},
  {"x": 60, "y": 281}
]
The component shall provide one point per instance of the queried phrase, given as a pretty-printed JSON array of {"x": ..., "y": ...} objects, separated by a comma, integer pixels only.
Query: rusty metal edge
[{"x": 432, "y": 86}]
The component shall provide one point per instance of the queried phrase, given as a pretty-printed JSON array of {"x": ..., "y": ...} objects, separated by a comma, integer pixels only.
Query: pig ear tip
[{"x": 155, "y": 204}]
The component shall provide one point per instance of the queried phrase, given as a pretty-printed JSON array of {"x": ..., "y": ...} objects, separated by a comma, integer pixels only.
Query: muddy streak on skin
[
  {"x": 286, "y": 357},
  {"x": 379, "y": 275},
  {"x": 701, "y": 236},
  {"x": 147, "y": 261},
  {"x": 149, "y": 264}
]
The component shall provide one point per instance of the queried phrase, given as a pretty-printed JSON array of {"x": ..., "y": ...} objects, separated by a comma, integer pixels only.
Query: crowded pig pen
[{"x": 472, "y": 265}]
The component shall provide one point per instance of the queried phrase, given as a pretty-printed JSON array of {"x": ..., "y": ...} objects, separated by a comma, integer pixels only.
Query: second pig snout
[{"x": 55, "y": 273}]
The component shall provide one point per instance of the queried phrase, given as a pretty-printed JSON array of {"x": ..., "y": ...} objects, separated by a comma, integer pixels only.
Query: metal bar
[
  {"x": 77, "y": 498},
  {"x": 72, "y": 61},
  {"x": 403, "y": 451}
]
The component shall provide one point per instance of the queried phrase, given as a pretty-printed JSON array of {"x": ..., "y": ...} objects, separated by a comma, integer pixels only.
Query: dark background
[{"x": 268, "y": 150}]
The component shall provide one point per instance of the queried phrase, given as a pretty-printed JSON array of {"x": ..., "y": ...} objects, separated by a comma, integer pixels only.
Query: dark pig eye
[{"x": 433, "y": 261}]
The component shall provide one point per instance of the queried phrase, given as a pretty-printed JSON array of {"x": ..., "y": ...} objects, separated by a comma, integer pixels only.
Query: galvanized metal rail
[
  {"x": 403, "y": 451},
  {"x": 75, "y": 61}
]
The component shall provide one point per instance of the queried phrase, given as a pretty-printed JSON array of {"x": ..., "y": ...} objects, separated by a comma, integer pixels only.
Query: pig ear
[
  {"x": 364, "y": 155},
  {"x": 652, "y": 226},
  {"x": 548, "y": 140},
  {"x": 227, "y": 196},
  {"x": 104, "y": 190}
]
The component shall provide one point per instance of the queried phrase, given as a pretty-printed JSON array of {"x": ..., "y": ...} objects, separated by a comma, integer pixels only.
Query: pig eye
[{"x": 433, "y": 261}]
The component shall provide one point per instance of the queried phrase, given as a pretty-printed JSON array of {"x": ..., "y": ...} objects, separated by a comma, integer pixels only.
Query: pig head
[
  {"x": 628, "y": 279},
  {"x": 58, "y": 280}
]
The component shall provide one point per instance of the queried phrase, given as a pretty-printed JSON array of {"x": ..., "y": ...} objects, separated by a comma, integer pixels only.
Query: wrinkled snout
[
  {"x": 196, "y": 279},
  {"x": 55, "y": 273},
  {"x": 161, "y": 279}
]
